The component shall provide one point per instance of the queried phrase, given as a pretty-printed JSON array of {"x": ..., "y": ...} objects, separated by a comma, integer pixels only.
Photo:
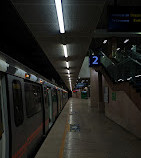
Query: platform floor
[{"x": 98, "y": 136}]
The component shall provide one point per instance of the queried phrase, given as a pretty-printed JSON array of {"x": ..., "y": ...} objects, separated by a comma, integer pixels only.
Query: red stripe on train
[{"x": 23, "y": 149}]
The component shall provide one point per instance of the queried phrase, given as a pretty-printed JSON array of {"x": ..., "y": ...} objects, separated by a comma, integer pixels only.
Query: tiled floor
[{"x": 98, "y": 136}]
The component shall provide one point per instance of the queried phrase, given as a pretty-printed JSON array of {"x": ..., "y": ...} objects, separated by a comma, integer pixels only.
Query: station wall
[
  {"x": 119, "y": 107},
  {"x": 123, "y": 111}
]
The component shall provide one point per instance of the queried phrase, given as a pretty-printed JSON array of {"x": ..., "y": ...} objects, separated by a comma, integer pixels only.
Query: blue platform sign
[
  {"x": 93, "y": 60},
  {"x": 124, "y": 19}
]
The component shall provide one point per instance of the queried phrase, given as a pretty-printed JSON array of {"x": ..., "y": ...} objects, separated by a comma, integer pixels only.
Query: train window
[
  {"x": 33, "y": 99},
  {"x": 17, "y": 102}
]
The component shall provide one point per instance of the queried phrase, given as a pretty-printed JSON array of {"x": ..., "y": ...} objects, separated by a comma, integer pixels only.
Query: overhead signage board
[
  {"x": 80, "y": 85},
  {"x": 124, "y": 19},
  {"x": 94, "y": 60}
]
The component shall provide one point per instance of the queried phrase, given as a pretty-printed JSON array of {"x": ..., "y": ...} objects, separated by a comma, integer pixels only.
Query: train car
[
  {"x": 64, "y": 97},
  {"x": 29, "y": 105}
]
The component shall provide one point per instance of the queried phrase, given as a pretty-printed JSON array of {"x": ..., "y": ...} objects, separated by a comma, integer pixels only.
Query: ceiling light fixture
[
  {"x": 105, "y": 41},
  {"x": 118, "y": 48},
  {"x": 65, "y": 51},
  {"x": 67, "y": 64},
  {"x": 138, "y": 76},
  {"x": 129, "y": 78},
  {"x": 127, "y": 40},
  {"x": 59, "y": 10},
  {"x": 68, "y": 71},
  {"x": 70, "y": 84},
  {"x": 69, "y": 75}
]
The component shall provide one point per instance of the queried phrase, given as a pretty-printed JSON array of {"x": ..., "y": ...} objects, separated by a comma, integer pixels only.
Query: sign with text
[
  {"x": 124, "y": 19},
  {"x": 93, "y": 60}
]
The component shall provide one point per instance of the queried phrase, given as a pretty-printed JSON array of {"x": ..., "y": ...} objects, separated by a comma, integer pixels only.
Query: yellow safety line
[{"x": 67, "y": 128}]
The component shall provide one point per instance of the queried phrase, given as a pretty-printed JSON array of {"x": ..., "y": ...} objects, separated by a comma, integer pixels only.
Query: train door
[
  {"x": 1, "y": 123},
  {"x": 61, "y": 100},
  {"x": 46, "y": 108},
  {"x": 4, "y": 128},
  {"x": 16, "y": 121},
  {"x": 54, "y": 103},
  {"x": 1, "y": 130},
  {"x": 34, "y": 116},
  {"x": 50, "y": 108},
  {"x": 59, "y": 108}
]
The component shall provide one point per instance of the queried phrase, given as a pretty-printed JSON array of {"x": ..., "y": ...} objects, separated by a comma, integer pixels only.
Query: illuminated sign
[
  {"x": 27, "y": 76},
  {"x": 41, "y": 81},
  {"x": 124, "y": 19},
  {"x": 93, "y": 60}
]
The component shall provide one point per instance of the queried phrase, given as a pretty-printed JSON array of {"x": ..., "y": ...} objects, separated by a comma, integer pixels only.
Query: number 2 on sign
[{"x": 95, "y": 60}]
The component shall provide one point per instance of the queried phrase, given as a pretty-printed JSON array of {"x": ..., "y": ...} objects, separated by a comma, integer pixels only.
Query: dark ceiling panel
[
  {"x": 80, "y": 18},
  {"x": 17, "y": 41}
]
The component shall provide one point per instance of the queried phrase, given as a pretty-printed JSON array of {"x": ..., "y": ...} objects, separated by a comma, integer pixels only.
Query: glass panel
[
  {"x": 33, "y": 99},
  {"x": 127, "y": 69},
  {"x": 17, "y": 102}
]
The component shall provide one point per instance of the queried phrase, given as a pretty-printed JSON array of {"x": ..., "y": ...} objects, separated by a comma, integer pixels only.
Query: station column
[{"x": 96, "y": 90}]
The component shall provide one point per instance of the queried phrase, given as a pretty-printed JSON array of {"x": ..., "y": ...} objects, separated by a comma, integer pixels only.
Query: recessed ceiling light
[
  {"x": 127, "y": 40},
  {"x": 65, "y": 51},
  {"x": 105, "y": 41},
  {"x": 67, "y": 64},
  {"x": 68, "y": 71},
  {"x": 59, "y": 10}
]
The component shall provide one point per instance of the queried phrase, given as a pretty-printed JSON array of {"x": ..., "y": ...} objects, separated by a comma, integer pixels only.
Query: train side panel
[
  {"x": 46, "y": 108},
  {"x": 34, "y": 116},
  {"x": 17, "y": 136},
  {"x": 54, "y": 103}
]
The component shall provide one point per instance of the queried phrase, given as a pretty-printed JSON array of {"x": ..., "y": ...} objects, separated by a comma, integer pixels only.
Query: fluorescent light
[
  {"x": 65, "y": 51},
  {"x": 138, "y": 76},
  {"x": 129, "y": 78},
  {"x": 67, "y": 64},
  {"x": 120, "y": 80},
  {"x": 68, "y": 75},
  {"x": 105, "y": 41},
  {"x": 126, "y": 40},
  {"x": 82, "y": 81},
  {"x": 68, "y": 71},
  {"x": 60, "y": 15},
  {"x": 118, "y": 48}
]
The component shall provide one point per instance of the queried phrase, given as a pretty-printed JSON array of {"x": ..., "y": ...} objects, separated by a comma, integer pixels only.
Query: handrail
[
  {"x": 125, "y": 70},
  {"x": 135, "y": 61}
]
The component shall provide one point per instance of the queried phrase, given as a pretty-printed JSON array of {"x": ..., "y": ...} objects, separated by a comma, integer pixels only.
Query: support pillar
[
  {"x": 94, "y": 87},
  {"x": 96, "y": 90},
  {"x": 101, "y": 105}
]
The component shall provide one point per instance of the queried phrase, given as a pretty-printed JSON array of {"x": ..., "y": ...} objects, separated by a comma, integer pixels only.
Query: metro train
[{"x": 29, "y": 105}]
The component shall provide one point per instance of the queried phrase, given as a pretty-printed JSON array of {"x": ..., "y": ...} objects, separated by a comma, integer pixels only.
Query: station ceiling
[
  {"x": 80, "y": 19},
  {"x": 84, "y": 20}
]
